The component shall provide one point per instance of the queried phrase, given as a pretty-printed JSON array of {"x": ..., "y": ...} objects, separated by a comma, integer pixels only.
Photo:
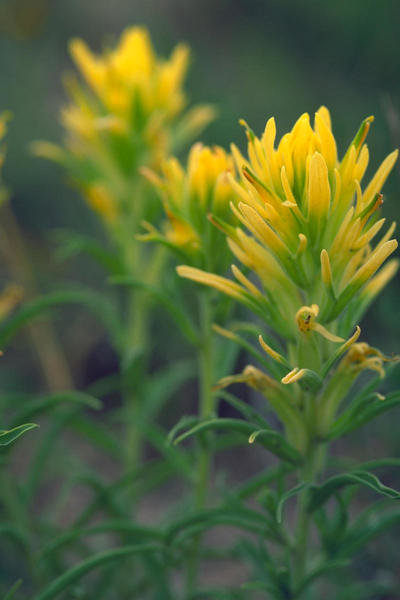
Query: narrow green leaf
[
  {"x": 320, "y": 494},
  {"x": 269, "y": 439},
  {"x": 11, "y": 592},
  {"x": 293, "y": 492},
  {"x": 43, "y": 405},
  {"x": 180, "y": 317},
  {"x": 326, "y": 567},
  {"x": 247, "y": 519},
  {"x": 357, "y": 537},
  {"x": 95, "y": 302},
  {"x": 78, "y": 571},
  {"x": 115, "y": 526},
  {"x": 372, "y": 407},
  {"x": 7, "y": 437},
  {"x": 72, "y": 243},
  {"x": 246, "y": 410},
  {"x": 254, "y": 484}
]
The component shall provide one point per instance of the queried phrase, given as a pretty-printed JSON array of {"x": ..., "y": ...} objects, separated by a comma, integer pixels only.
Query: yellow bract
[
  {"x": 311, "y": 225},
  {"x": 190, "y": 195},
  {"x": 133, "y": 68},
  {"x": 125, "y": 113}
]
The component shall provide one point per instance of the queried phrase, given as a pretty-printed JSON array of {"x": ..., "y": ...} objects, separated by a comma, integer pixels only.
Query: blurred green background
[{"x": 252, "y": 58}]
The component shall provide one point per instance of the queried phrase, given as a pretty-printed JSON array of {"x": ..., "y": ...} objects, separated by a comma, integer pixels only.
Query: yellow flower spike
[
  {"x": 362, "y": 356},
  {"x": 302, "y": 244},
  {"x": 328, "y": 144},
  {"x": 216, "y": 281},
  {"x": 254, "y": 377},
  {"x": 295, "y": 375},
  {"x": 377, "y": 283},
  {"x": 372, "y": 265},
  {"x": 323, "y": 112},
  {"x": 125, "y": 112},
  {"x": 364, "y": 239},
  {"x": 362, "y": 163},
  {"x": 376, "y": 183},
  {"x": 319, "y": 193},
  {"x": 246, "y": 282},
  {"x": 306, "y": 322},
  {"x": 305, "y": 318},
  {"x": 262, "y": 231},
  {"x": 326, "y": 272},
  {"x": 102, "y": 202},
  {"x": 341, "y": 350},
  {"x": 271, "y": 352}
]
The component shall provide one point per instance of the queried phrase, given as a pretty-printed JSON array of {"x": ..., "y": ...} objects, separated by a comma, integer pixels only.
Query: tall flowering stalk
[
  {"x": 310, "y": 268},
  {"x": 127, "y": 111},
  {"x": 190, "y": 195}
]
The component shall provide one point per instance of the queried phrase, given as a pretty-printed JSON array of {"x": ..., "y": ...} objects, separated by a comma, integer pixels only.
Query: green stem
[
  {"x": 206, "y": 409},
  {"x": 312, "y": 466},
  {"x": 134, "y": 354}
]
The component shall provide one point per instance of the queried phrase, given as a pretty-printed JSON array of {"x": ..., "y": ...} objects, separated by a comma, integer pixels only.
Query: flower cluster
[
  {"x": 311, "y": 226},
  {"x": 190, "y": 196},
  {"x": 127, "y": 113},
  {"x": 307, "y": 231}
]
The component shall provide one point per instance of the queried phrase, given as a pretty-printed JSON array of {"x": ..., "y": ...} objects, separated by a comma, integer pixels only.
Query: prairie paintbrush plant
[
  {"x": 126, "y": 111},
  {"x": 310, "y": 269},
  {"x": 193, "y": 198}
]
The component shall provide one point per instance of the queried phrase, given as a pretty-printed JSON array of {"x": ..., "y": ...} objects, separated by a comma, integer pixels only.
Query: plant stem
[
  {"x": 206, "y": 409},
  {"x": 312, "y": 465},
  {"x": 136, "y": 342}
]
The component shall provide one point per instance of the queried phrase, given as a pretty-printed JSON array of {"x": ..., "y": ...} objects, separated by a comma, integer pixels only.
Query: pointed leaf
[
  {"x": 269, "y": 439},
  {"x": 296, "y": 490},
  {"x": 7, "y": 437},
  {"x": 320, "y": 494},
  {"x": 78, "y": 571}
]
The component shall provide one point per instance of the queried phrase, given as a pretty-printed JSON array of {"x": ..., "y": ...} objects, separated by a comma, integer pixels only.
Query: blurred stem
[
  {"x": 135, "y": 351},
  {"x": 206, "y": 409},
  {"x": 52, "y": 360},
  {"x": 313, "y": 464}
]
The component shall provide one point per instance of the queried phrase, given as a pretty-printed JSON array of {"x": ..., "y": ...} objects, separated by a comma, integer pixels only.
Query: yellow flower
[
  {"x": 191, "y": 195},
  {"x": 362, "y": 356},
  {"x": 308, "y": 227},
  {"x": 125, "y": 112}
]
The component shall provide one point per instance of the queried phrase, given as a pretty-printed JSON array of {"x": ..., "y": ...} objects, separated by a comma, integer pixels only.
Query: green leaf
[
  {"x": 371, "y": 408},
  {"x": 293, "y": 492},
  {"x": 320, "y": 494},
  {"x": 246, "y": 410},
  {"x": 359, "y": 536},
  {"x": 269, "y": 439},
  {"x": 97, "y": 303},
  {"x": 172, "y": 305},
  {"x": 72, "y": 243},
  {"x": 115, "y": 526},
  {"x": 43, "y": 405},
  {"x": 260, "y": 481},
  {"x": 326, "y": 567},
  {"x": 11, "y": 592},
  {"x": 7, "y": 437},
  {"x": 164, "y": 384},
  {"x": 243, "y": 518},
  {"x": 78, "y": 571}
]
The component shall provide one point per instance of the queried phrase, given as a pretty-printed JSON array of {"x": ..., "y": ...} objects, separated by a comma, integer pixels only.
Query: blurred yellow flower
[
  {"x": 191, "y": 195},
  {"x": 125, "y": 113}
]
